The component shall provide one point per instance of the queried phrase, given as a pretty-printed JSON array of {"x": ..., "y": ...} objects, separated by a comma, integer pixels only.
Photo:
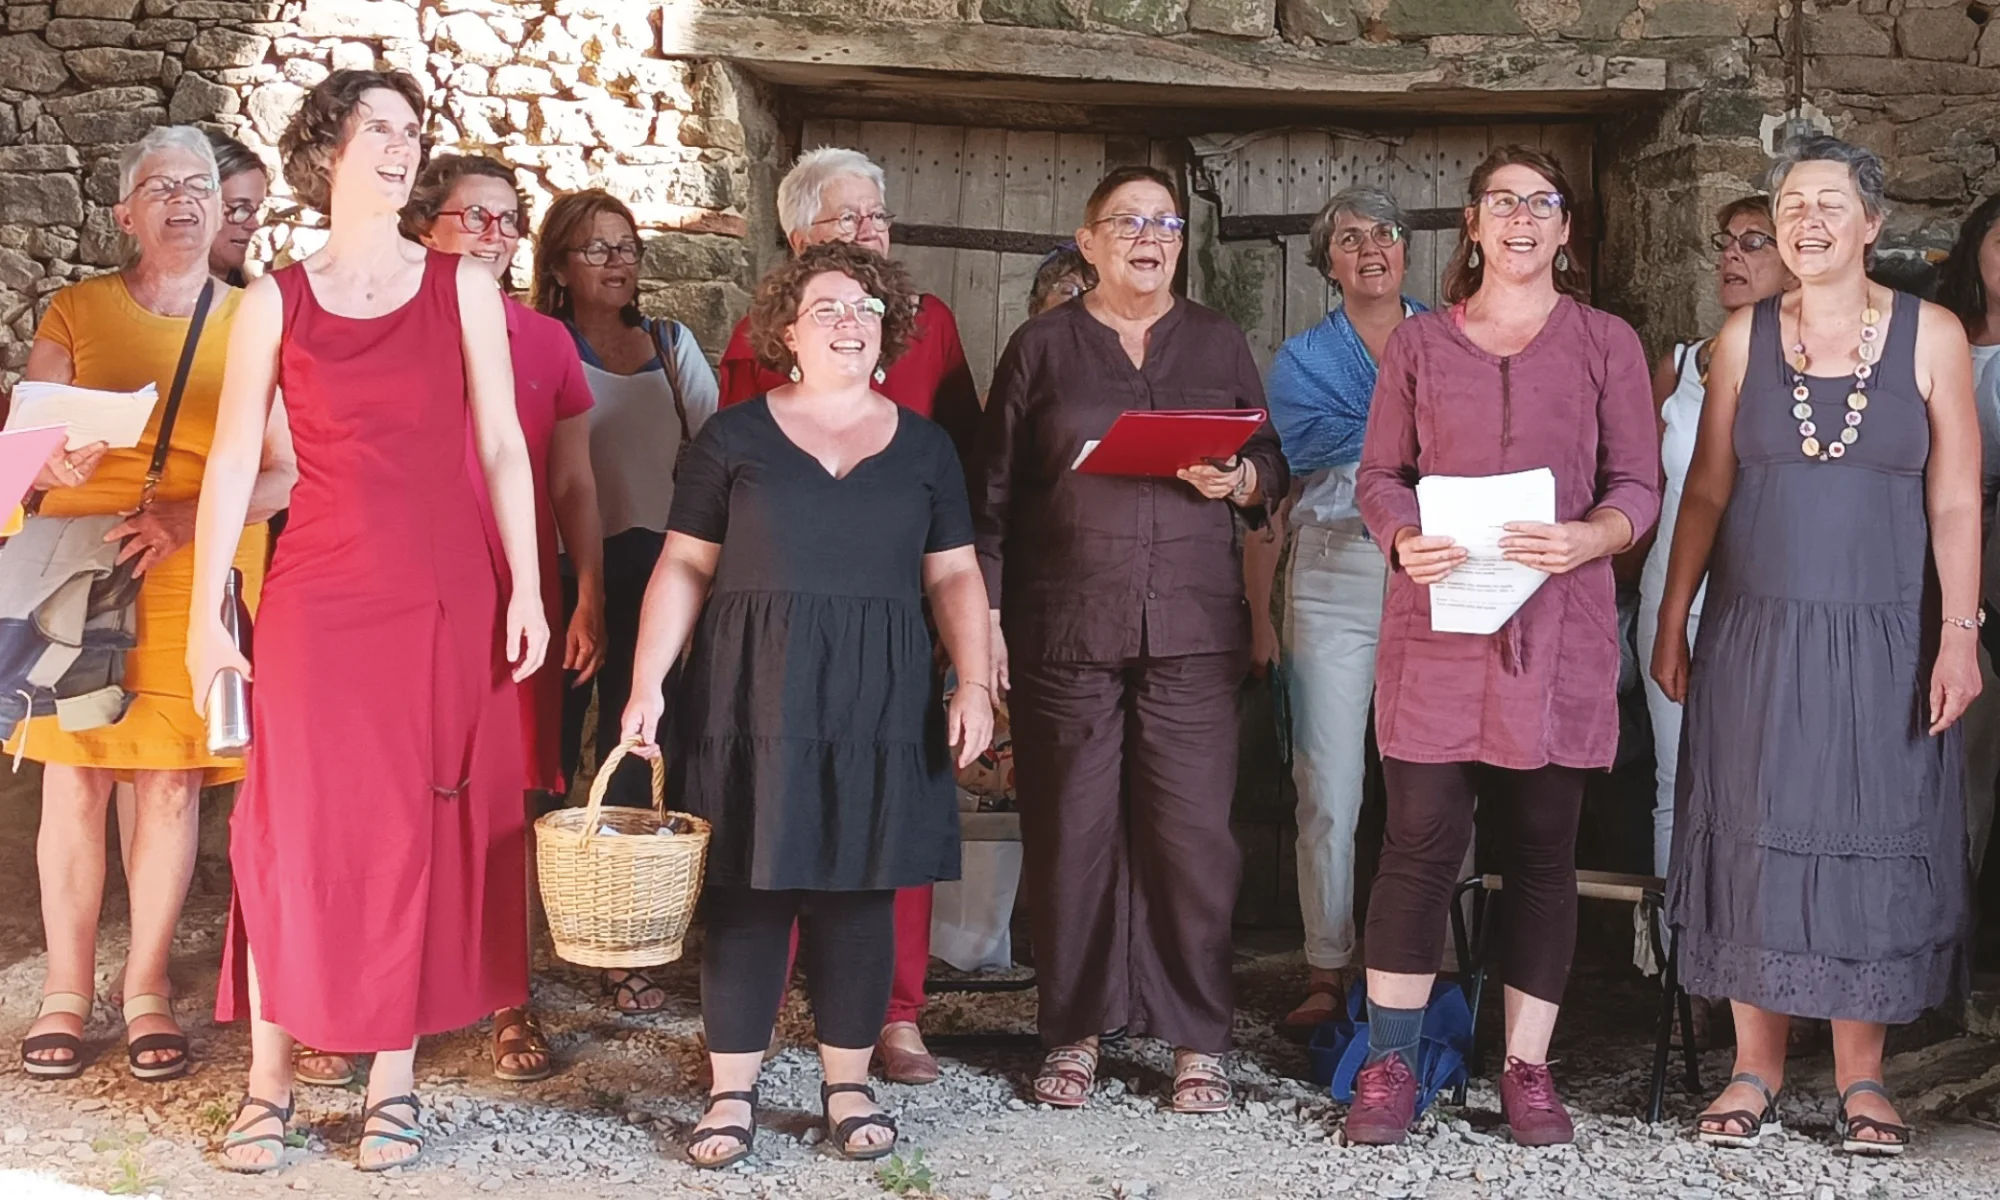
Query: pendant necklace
[{"x": 1857, "y": 396}]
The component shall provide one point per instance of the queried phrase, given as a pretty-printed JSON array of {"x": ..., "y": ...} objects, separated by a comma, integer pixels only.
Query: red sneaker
[
  {"x": 1385, "y": 1102},
  {"x": 1534, "y": 1112}
]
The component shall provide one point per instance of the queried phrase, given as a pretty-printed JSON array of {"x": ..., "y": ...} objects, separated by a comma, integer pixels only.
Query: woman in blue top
[{"x": 1319, "y": 390}]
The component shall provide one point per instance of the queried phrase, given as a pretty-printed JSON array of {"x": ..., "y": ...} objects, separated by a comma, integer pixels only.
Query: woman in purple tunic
[{"x": 1515, "y": 374}]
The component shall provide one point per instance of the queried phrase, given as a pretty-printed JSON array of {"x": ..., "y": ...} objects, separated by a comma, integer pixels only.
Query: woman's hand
[
  {"x": 70, "y": 468},
  {"x": 210, "y": 650},
  {"x": 996, "y": 642},
  {"x": 1427, "y": 560},
  {"x": 969, "y": 722},
  {"x": 1234, "y": 481},
  {"x": 583, "y": 646},
  {"x": 1556, "y": 549},
  {"x": 154, "y": 534},
  {"x": 1955, "y": 681},
  {"x": 1263, "y": 644},
  {"x": 1670, "y": 660},
  {"x": 527, "y": 634},
  {"x": 640, "y": 723}
]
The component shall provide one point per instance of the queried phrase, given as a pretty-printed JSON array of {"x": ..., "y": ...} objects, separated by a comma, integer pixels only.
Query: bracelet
[
  {"x": 1968, "y": 622},
  {"x": 966, "y": 683}
]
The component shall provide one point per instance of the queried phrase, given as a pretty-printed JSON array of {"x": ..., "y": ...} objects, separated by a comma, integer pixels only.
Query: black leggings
[
  {"x": 848, "y": 943},
  {"x": 1430, "y": 813},
  {"x": 628, "y": 567}
]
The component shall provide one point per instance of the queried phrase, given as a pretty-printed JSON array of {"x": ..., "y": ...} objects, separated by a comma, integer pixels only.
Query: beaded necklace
[{"x": 1857, "y": 397}]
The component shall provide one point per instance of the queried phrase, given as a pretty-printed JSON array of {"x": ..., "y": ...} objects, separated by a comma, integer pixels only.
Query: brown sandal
[
  {"x": 303, "y": 1054},
  {"x": 1199, "y": 1072},
  {"x": 1075, "y": 1066},
  {"x": 526, "y": 1040},
  {"x": 1301, "y": 1021}
]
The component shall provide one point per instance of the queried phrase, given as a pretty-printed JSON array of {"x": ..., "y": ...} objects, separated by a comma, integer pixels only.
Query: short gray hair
[
  {"x": 158, "y": 140},
  {"x": 800, "y": 191},
  {"x": 1370, "y": 202},
  {"x": 1864, "y": 167}
]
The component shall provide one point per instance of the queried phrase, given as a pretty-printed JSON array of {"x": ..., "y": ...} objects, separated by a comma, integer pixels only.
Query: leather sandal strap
[
  {"x": 1864, "y": 1087},
  {"x": 270, "y": 1110},
  {"x": 843, "y": 1133},
  {"x": 1320, "y": 987},
  {"x": 1081, "y": 1056},
  {"x": 735, "y": 1132},
  {"x": 1755, "y": 1081},
  {"x": 749, "y": 1097},
  {"x": 159, "y": 1043},
  {"x": 1740, "y": 1122},
  {"x": 378, "y": 1112},
  {"x": 52, "y": 1041},
  {"x": 1892, "y": 1133},
  {"x": 837, "y": 1089},
  {"x": 147, "y": 1006},
  {"x": 69, "y": 1004}
]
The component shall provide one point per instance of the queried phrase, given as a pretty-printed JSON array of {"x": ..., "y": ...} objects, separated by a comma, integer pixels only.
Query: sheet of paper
[
  {"x": 117, "y": 419},
  {"x": 1484, "y": 590},
  {"x": 1084, "y": 453},
  {"x": 22, "y": 453}
]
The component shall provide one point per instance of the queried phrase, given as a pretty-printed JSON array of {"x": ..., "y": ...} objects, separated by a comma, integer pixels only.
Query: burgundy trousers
[{"x": 1125, "y": 773}]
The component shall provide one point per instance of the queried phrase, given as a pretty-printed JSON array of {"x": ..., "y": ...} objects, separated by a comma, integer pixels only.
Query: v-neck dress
[{"x": 808, "y": 726}]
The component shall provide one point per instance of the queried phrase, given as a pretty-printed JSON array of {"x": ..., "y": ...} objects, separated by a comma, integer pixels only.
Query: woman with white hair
[
  {"x": 121, "y": 332},
  {"x": 836, "y": 195}
]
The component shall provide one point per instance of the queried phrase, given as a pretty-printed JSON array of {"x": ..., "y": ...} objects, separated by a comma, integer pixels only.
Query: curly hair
[
  {"x": 314, "y": 137},
  {"x": 778, "y": 295},
  {"x": 1461, "y": 277}
]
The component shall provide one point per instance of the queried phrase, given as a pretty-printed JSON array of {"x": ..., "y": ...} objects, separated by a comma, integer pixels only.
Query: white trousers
[
  {"x": 1666, "y": 721},
  {"x": 1333, "y": 617}
]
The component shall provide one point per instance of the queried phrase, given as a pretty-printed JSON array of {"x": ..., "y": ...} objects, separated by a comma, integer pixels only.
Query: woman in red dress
[{"x": 379, "y": 832}]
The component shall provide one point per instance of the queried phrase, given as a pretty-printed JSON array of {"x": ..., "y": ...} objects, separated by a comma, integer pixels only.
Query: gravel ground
[{"x": 609, "y": 1125}]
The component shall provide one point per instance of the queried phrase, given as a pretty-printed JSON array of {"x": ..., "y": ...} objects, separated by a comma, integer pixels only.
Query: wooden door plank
[
  {"x": 1410, "y": 172},
  {"x": 1079, "y": 166},
  {"x": 1306, "y": 294},
  {"x": 1264, "y": 172},
  {"x": 932, "y": 198},
  {"x": 1028, "y": 204},
  {"x": 976, "y": 273},
  {"x": 1459, "y": 150},
  {"x": 814, "y": 134},
  {"x": 888, "y": 144}
]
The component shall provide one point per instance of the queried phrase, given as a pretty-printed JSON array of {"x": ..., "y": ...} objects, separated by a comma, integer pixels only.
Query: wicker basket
[{"x": 620, "y": 900}]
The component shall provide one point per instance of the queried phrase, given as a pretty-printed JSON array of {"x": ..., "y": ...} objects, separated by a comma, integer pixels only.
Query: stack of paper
[
  {"x": 117, "y": 419},
  {"x": 1484, "y": 590}
]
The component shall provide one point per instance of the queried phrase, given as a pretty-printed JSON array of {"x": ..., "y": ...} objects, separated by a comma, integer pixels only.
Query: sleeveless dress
[
  {"x": 378, "y": 842},
  {"x": 1819, "y": 863}
]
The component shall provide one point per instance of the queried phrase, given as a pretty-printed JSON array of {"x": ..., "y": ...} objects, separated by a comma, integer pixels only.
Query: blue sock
[{"x": 1393, "y": 1031}]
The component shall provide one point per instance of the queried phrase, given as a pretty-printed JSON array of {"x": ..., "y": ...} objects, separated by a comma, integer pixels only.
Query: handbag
[{"x": 674, "y": 385}]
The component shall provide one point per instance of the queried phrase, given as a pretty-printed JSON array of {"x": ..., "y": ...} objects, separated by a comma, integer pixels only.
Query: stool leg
[
  {"x": 1690, "y": 1053},
  {"x": 1461, "y": 944},
  {"x": 1663, "y": 1041},
  {"x": 1482, "y": 933}
]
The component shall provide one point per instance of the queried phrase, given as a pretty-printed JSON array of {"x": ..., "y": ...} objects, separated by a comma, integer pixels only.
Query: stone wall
[{"x": 572, "y": 92}]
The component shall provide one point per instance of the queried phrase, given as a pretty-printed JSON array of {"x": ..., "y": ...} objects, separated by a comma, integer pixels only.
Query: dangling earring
[
  {"x": 880, "y": 375},
  {"x": 1562, "y": 260},
  {"x": 1472, "y": 259},
  {"x": 798, "y": 376}
]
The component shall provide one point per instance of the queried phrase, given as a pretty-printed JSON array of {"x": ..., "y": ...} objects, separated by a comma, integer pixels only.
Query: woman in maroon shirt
[{"x": 1516, "y": 374}]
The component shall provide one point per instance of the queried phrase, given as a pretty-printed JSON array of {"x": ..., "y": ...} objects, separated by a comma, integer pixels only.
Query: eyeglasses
[
  {"x": 1749, "y": 242},
  {"x": 1385, "y": 234},
  {"x": 1131, "y": 227},
  {"x": 1541, "y": 205},
  {"x": 166, "y": 187},
  {"x": 599, "y": 254},
  {"x": 241, "y": 212},
  {"x": 478, "y": 220},
  {"x": 827, "y": 314},
  {"x": 849, "y": 222}
]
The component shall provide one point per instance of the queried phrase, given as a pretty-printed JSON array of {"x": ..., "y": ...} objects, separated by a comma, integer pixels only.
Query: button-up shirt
[{"x": 1103, "y": 568}]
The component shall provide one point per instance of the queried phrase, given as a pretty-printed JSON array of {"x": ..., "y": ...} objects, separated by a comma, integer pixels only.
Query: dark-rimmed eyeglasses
[
  {"x": 1541, "y": 205},
  {"x": 241, "y": 212},
  {"x": 1385, "y": 234},
  {"x": 1750, "y": 241},
  {"x": 600, "y": 254},
  {"x": 848, "y": 222},
  {"x": 869, "y": 310},
  {"x": 1131, "y": 227},
  {"x": 478, "y": 220},
  {"x": 166, "y": 187}
]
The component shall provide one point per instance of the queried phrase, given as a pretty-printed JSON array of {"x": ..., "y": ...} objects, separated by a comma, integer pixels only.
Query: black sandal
[
  {"x": 627, "y": 991},
  {"x": 1753, "y": 1124},
  {"x": 842, "y": 1135},
  {"x": 68, "y": 1004},
  {"x": 408, "y": 1133},
  {"x": 1895, "y": 1138},
  {"x": 173, "y": 1045},
  {"x": 237, "y": 1137},
  {"x": 746, "y": 1136}
]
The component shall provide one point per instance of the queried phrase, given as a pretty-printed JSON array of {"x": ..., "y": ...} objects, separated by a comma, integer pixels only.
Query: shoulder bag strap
[
  {"x": 669, "y": 365},
  {"x": 158, "y": 468}
]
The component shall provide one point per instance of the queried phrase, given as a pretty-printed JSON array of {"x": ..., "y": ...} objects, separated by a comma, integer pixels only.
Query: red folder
[{"x": 1161, "y": 443}]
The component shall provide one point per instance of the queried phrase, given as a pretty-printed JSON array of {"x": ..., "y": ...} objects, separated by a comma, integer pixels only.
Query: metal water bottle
[{"x": 229, "y": 695}]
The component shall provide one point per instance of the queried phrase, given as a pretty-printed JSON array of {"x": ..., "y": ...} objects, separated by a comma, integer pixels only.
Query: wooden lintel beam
[
  {"x": 953, "y": 237},
  {"x": 1278, "y": 225}
]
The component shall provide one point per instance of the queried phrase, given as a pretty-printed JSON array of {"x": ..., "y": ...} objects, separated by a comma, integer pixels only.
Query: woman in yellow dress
[{"x": 120, "y": 332}]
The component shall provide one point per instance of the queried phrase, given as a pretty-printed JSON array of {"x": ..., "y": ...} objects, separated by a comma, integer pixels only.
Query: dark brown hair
[
  {"x": 439, "y": 177},
  {"x": 233, "y": 158},
  {"x": 320, "y": 128},
  {"x": 1118, "y": 178},
  {"x": 1461, "y": 277},
  {"x": 1961, "y": 286},
  {"x": 1743, "y": 206},
  {"x": 564, "y": 230},
  {"x": 777, "y": 304}
]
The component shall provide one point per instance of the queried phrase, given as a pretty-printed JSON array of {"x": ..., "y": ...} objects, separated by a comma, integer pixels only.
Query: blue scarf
[{"x": 1320, "y": 386}]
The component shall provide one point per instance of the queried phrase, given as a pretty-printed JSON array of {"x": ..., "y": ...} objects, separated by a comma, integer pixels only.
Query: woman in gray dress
[{"x": 1819, "y": 865}]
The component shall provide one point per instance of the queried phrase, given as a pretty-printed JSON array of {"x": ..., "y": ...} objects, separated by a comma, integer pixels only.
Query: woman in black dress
[{"x": 808, "y": 527}]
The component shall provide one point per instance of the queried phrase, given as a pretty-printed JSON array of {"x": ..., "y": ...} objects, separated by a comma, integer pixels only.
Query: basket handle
[{"x": 602, "y": 784}]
